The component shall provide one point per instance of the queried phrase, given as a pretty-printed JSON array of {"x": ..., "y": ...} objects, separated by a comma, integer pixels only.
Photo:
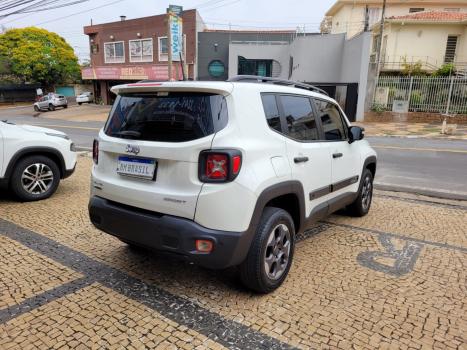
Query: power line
[
  {"x": 78, "y": 13},
  {"x": 32, "y": 6}
]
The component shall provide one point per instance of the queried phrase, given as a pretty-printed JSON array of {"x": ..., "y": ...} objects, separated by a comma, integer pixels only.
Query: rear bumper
[{"x": 169, "y": 233}]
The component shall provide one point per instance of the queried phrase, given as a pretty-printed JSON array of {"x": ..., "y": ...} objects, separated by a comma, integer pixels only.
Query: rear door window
[
  {"x": 167, "y": 117},
  {"x": 299, "y": 116},
  {"x": 271, "y": 111}
]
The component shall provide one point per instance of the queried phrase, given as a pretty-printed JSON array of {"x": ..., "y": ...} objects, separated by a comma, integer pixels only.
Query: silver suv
[{"x": 50, "y": 102}]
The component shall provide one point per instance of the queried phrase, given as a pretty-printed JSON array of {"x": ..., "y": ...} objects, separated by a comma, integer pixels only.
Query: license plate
[{"x": 136, "y": 167}]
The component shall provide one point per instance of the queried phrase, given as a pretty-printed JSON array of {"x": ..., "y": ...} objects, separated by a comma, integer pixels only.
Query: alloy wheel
[
  {"x": 367, "y": 192},
  {"x": 37, "y": 178},
  {"x": 276, "y": 256}
]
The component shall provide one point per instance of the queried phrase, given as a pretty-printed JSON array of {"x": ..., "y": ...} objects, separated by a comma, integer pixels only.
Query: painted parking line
[{"x": 419, "y": 149}]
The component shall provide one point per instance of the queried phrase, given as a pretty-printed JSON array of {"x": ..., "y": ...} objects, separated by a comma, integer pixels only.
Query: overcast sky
[{"x": 241, "y": 14}]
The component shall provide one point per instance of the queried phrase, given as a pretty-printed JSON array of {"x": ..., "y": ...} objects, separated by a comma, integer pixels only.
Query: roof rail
[{"x": 259, "y": 79}]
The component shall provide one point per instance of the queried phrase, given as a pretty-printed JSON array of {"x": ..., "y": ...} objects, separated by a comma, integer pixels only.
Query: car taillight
[
  {"x": 219, "y": 165},
  {"x": 95, "y": 151}
]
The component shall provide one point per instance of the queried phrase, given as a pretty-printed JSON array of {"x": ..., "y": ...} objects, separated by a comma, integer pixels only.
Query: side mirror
[{"x": 356, "y": 133}]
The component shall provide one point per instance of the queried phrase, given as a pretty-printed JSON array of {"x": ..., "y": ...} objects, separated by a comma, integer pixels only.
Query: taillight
[
  {"x": 95, "y": 151},
  {"x": 219, "y": 165}
]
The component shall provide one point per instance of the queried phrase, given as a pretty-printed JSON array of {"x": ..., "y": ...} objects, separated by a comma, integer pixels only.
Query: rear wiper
[{"x": 127, "y": 133}]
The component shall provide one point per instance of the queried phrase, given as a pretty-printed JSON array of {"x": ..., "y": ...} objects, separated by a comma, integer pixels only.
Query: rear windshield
[{"x": 167, "y": 117}]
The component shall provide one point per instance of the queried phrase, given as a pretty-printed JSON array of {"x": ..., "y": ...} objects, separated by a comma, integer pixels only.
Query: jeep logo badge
[{"x": 132, "y": 149}]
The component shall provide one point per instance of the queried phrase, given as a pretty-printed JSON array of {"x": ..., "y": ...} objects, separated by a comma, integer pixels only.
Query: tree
[
  {"x": 38, "y": 56},
  {"x": 326, "y": 25}
]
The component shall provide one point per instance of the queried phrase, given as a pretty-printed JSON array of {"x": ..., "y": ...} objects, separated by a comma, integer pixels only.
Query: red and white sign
[{"x": 151, "y": 72}]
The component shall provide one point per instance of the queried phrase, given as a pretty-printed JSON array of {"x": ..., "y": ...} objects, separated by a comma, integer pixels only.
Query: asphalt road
[{"x": 426, "y": 166}]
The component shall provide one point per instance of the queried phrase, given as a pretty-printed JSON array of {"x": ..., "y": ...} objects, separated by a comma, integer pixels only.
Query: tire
[
  {"x": 24, "y": 184},
  {"x": 361, "y": 206},
  {"x": 51, "y": 107},
  {"x": 255, "y": 272},
  {"x": 80, "y": 103},
  {"x": 36, "y": 109},
  {"x": 65, "y": 106}
]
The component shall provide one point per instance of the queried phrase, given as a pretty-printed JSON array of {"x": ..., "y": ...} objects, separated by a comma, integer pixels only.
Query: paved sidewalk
[
  {"x": 395, "y": 279},
  {"x": 401, "y": 129}
]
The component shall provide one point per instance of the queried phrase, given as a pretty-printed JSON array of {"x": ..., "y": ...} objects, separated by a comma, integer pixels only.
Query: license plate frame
[{"x": 128, "y": 166}]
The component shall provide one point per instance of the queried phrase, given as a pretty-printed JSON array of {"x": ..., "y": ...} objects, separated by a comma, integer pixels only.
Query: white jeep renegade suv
[
  {"x": 227, "y": 173},
  {"x": 33, "y": 160}
]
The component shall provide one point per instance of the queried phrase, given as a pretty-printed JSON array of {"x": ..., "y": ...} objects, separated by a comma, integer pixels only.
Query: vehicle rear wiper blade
[{"x": 127, "y": 133}]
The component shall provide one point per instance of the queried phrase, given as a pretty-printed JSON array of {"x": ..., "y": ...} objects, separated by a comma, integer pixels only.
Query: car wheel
[
  {"x": 80, "y": 103},
  {"x": 271, "y": 252},
  {"x": 35, "y": 178},
  {"x": 51, "y": 107},
  {"x": 362, "y": 204},
  {"x": 36, "y": 109},
  {"x": 65, "y": 106}
]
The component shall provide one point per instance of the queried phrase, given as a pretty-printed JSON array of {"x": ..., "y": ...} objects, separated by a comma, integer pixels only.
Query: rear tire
[
  {"x": 36, "y": 109},
  {"x": 271, "y": 252},
  {"x": 51, "y": 107},
  {"x": 80, "y": 103},
  {"x": 361, "y": 206},
  {"x": 65, "y": 106},
  {"x": 35, "y": 178}
]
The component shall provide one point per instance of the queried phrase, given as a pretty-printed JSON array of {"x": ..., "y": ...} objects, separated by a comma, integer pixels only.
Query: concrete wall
[
  {"x": 327, "y": 59},
  {"x": 424, "y": 41},
  {"x": 276, "y": 51}
]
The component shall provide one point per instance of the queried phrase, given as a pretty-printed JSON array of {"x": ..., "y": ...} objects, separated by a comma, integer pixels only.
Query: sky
[{"x": 239, "y": 14}]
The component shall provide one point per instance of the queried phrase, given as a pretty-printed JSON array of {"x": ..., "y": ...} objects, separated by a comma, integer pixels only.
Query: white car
[
  {"x": 33, "y": 160},
  {"x": 227, "y": 173},
  {"x": 51, "y": 102},
  {"x": 85, "y": 97}
]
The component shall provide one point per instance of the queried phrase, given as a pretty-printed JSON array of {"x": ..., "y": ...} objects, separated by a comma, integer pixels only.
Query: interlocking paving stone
[
  {"x": 329, "y": 300},
  {"x": 25, "y": 274}
]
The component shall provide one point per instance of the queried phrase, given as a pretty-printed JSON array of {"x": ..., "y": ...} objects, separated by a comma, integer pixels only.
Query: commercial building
[{"x": 136, "y": 49}]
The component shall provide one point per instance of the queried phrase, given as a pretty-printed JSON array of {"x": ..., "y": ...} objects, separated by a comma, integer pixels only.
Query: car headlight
[{"x": 58, "y": 135}]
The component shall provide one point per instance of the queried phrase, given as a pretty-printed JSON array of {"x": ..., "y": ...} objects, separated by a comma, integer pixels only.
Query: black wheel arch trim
[
  {"x": 370, "y": 160},
  {"x": 275, "y": 191},
  {"x": 44, "y": 151}
]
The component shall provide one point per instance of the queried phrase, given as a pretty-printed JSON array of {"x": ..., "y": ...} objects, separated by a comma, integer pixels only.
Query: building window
[
  {"x": 216, "y": 68},
  {"x": 451, "y": 48},
  {"x": 114, "y": 52},
  {"x": 452, "y": 9},
  {"x": 416, "y": 9},
  {"x": 163, "y": 49},
  {"x": 141, "y": 50},
  {"x": 262, "y": 68}
]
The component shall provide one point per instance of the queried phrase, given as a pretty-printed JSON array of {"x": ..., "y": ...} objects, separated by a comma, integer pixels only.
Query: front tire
[
  {"x": 51, "y": 107},
  {"x": 271, "y": 252},
  {"x": 36, "y": 109},
  {"x": 65, "y": 106},
  {"x": 35, "y": 178},
  {"x": 80, "y": 103},
  {"x": 361, "y": 206}
]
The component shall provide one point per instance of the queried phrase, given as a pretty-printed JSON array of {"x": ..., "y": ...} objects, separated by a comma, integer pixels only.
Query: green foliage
[
  {"x": 445, "y": 70},
  {"x": 415, "y": 98},
  {"x": 38, "y": 56},
  {"x": 378, "y": 108},
  {"x": 412, "y": 69}
]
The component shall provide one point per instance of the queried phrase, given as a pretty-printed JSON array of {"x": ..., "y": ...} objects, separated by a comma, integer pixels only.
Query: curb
[
  {"x": 459, "y": 196},
  {"x": 430, "y": 137}
]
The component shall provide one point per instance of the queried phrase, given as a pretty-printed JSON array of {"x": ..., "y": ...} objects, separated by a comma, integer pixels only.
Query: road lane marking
[
  {"x": 66, "y": 126},
  {"x": 423, "y": 149}
]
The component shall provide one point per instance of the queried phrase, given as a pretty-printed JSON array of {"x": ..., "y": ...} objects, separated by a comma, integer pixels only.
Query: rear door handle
[
  {"x": 337, "y": 155},
  {"x": 300, "y": 159}
]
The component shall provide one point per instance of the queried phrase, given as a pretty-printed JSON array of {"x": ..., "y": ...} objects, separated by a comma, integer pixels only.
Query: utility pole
[
  {"x": 380, "y": 41},
  {"x": 169, "y": 44}
]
